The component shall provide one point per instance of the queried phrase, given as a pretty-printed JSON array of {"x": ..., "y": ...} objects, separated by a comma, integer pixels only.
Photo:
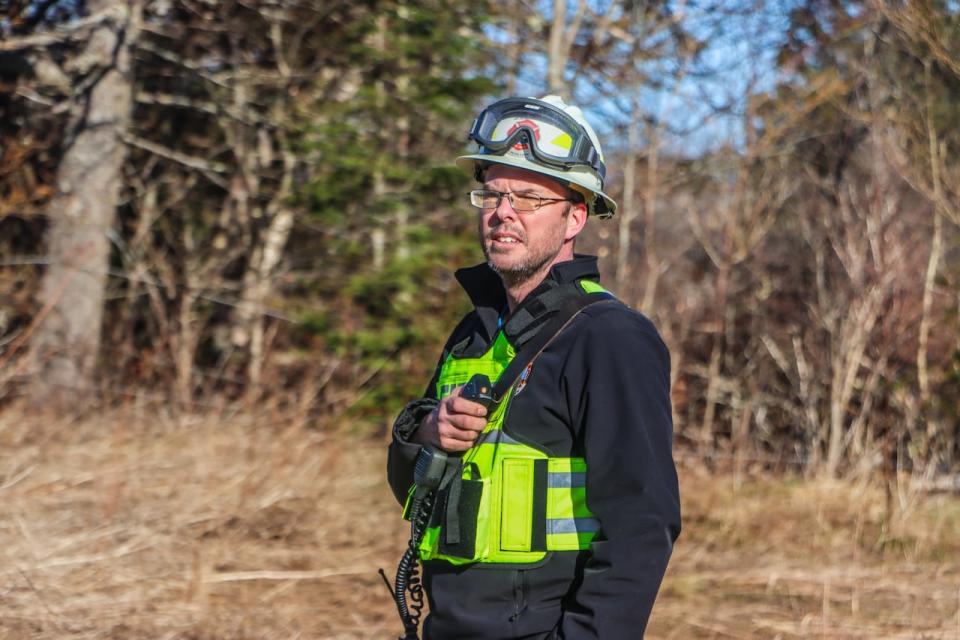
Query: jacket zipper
[{"x": 519, "y": 595}]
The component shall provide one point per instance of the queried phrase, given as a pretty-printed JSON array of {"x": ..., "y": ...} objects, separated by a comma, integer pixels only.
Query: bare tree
[
  {"x": 562, "y": 35},
  {"x": 88, "y": 184}
]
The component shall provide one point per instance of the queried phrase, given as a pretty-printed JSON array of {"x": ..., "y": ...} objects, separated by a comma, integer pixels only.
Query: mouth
[{"x": 502, "y": 237}]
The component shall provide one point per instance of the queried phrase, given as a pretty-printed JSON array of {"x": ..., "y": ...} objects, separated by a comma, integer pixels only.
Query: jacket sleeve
[{"x": 617, "y": 382}]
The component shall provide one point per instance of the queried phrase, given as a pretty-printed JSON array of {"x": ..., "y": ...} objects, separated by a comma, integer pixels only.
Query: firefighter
[{"x": 564, "y": 508}]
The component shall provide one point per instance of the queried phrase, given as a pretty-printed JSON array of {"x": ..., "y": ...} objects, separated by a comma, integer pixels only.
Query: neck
[
  {"x": 517, "y": 290},
  {"x": 519, "y": 285}
]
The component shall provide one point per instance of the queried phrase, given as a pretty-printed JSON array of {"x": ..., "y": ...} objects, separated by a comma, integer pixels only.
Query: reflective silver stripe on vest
[
  {"x": 566, "y": 480},
  {"x": 495, "y": 436},
  {"x": 572, "y": 525}
]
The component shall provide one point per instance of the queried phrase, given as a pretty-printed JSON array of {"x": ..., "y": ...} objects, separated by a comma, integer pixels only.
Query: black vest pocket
[{"x": 457, "y": 509}]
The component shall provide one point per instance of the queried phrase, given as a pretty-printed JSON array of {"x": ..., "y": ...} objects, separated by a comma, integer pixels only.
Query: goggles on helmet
[{"x": 551, "y": 135}]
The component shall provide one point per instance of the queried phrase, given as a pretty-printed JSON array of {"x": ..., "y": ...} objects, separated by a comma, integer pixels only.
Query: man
[{"x": 562, "y": 513}]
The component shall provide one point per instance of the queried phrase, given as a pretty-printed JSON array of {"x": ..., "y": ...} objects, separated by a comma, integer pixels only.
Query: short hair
[{"x": 575, "y": 196}]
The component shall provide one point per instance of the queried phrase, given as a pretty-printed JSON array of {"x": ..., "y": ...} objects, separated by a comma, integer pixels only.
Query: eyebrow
[{"x": 522, "y": 192}]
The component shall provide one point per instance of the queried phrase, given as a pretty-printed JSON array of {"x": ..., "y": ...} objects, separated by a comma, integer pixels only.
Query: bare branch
[
  {"x": 208, "y": 169},
  {"x": 74, "y": 31}
]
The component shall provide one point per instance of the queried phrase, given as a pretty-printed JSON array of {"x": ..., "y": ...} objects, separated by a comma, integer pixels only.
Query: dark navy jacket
[{"x": 600, "y": 390}]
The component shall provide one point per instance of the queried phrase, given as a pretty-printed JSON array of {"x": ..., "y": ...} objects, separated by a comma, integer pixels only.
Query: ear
[{"x": 576, "y": 220}]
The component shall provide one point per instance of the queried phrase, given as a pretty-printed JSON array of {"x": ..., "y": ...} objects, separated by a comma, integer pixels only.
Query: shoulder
[
  {"x": 615, "y": 364},
  {"x": 616, "y": 326},
  {"x": 609, "y": 339}
]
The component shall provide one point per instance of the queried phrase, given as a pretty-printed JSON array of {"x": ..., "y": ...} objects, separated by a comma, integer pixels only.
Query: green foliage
[{"x": 385, "y": 203}]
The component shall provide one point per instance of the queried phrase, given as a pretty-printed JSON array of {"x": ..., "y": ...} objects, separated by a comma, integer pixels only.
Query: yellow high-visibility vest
[{"x": 511, "y": 502}]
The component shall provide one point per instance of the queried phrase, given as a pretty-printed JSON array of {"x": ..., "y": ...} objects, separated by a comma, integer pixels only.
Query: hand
[{"x": 454, "y": 425}]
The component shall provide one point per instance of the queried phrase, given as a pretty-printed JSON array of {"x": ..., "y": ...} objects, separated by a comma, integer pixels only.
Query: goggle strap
[{"x": 591, "y": 160}]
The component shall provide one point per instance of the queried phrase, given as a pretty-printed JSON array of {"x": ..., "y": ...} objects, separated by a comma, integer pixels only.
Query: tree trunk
[
  {"x": 259, "y": 275},
  {"x": 628, "y": 212},
  {"x": 923, "y": 372},
  {"x": 514, "y": 45},
  {"x": 81, "y": 213},
  {"x": 650, "y": 223},
  {"x": 557, "y": 57}
]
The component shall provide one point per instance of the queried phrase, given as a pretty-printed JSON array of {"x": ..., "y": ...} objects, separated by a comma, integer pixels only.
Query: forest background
[{"x": 245, "y": 214}]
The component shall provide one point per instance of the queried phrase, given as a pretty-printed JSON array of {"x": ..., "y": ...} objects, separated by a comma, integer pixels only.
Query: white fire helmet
[{"x": 546, "y": 136}]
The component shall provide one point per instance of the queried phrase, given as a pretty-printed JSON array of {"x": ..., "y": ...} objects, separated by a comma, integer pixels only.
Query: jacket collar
[{"x": 489, "y": 297}]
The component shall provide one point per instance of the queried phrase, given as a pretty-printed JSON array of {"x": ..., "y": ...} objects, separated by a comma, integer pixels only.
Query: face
[{"x": 521, "y": 246}]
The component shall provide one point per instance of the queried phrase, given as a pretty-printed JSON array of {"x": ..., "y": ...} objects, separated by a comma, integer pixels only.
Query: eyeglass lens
[{"x": 488, "y": 199}]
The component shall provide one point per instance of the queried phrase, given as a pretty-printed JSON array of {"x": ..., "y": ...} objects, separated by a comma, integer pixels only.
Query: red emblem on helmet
[{"x": 524, "y": 123}]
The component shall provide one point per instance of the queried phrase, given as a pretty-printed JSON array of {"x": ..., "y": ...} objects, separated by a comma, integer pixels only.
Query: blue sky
[{"x": 705, "y": 109}]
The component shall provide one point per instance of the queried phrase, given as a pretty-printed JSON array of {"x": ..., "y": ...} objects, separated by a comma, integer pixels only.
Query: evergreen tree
[{"x": 388, "y": 215}]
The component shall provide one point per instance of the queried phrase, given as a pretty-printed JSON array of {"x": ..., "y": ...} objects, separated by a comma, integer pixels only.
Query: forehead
[{"x": 505, "y": 178}]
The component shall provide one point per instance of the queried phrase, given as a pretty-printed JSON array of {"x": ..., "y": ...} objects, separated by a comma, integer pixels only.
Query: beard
[
  {"x": 518, "y": 273},
  {"x": 530, "y": 259}
]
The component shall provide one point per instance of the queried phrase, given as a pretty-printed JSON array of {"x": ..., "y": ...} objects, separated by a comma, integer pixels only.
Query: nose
[{"x": 505, "y": 210}]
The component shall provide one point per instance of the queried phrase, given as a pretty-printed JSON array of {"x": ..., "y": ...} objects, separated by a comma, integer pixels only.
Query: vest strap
[
  {"x": 543, "y": 337},
  {"x": 538, "y": 534},
  {"x": 525, "y": 321},
  {"x": 452, "y": 528}
]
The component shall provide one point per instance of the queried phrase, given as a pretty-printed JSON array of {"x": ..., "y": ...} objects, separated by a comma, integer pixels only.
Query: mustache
[{"x": 517, "y": 232}]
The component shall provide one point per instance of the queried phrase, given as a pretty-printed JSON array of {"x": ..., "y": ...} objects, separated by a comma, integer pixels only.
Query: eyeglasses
[{"x": 522, "y": 202}]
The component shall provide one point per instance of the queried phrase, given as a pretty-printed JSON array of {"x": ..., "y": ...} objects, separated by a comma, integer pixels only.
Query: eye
[
  {"x": 490, "y": 199},
  {"x": 526, "y": 201}
]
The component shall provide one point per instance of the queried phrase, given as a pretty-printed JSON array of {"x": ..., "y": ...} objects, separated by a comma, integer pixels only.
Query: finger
[
  {"x": 467, "y": 422},
  {"x": 469, "y": 407},
  {"x": 455, "y": 433},
  {"x": 451, "y": 445},
  {"x": 456, "y": 440}
]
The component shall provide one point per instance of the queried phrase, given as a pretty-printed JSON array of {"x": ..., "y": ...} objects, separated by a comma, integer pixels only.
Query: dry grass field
[{"x": 140, "y": 526}]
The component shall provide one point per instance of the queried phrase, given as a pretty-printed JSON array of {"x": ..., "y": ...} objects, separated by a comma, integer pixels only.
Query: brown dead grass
[
  {"x": 138, "y": 526},
  {"x": 771, "y": 558}
]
